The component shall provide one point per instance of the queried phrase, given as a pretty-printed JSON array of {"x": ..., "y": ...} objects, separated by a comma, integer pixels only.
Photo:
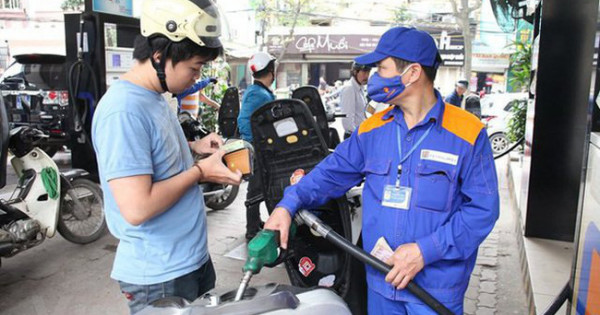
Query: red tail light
[{"x": 488, "y": 118}]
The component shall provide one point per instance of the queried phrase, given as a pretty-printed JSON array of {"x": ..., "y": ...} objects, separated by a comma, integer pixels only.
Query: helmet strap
[{"x": 160, "y": 66}]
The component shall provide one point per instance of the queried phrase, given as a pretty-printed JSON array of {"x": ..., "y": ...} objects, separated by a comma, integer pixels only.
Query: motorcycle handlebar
[
  {"x": 332, "y": 117},
  {"x": 254, "y": 201}
]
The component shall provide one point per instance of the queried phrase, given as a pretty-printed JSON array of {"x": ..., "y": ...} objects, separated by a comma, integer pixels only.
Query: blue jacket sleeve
[
  {"x": 193, "y": 89},
  {"x": 331, "y": 178},
  {"x": 460, "y": 237},
  {"x": 251, "y": 101},
  {"x": 245, "y": 114}
]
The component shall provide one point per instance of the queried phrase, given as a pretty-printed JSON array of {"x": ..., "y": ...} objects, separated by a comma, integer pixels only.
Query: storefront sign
[
  {"x": 117, "y": 7},
  {"x": 450, "y": 45},
  {"x": 323, "y": 44}
]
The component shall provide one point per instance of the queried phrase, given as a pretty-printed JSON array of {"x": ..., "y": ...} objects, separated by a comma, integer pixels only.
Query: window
[{"x": 11, "y": 4}]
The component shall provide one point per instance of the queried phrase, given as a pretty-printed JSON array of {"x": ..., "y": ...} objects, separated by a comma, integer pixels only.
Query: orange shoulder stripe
[
  {"x": 375, "y": 121},
  {"x": 461, "y": 123}
]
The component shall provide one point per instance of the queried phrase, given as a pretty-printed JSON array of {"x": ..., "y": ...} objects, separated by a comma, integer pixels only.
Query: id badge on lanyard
[{"x": 397, "y": 196}]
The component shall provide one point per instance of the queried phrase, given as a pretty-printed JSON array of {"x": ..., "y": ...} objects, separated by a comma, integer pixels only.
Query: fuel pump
[{"x": 99, "y": 47}]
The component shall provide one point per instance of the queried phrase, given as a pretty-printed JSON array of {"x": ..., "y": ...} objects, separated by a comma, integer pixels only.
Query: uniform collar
[{"x": 435, "y": 113}]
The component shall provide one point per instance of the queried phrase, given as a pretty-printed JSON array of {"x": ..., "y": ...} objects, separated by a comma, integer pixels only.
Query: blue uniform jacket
[
  {"x": 193, "y": 89},
  {"x": 454, "y": 202},
  {"x": 454, "y": 99},
  {"x": 256, "y": 95}
]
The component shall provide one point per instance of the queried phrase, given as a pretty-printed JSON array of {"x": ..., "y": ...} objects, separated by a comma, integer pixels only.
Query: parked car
[
  {"x": 35, "y": 94},
  {"x": 495, "y": 113}
]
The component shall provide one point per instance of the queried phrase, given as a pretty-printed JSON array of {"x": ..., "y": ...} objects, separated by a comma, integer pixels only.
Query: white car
[{"x": 495, "y": 114}]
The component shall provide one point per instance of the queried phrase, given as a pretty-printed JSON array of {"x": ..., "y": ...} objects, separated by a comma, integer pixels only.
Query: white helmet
[
  {"x": 197, "y": 20},
  {"x": 259, "y": 61}
]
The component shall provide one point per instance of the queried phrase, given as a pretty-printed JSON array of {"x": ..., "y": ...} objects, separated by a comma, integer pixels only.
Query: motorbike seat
[
  {"x": 229, "y": 112},
  {"x": 310, "y": 96},
  {"x": 4, "y": 139}
]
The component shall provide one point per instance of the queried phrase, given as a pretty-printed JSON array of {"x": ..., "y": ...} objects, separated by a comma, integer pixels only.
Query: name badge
[
  {"x": 439, "y": 156},
  {"x": 396, "y": 197}
]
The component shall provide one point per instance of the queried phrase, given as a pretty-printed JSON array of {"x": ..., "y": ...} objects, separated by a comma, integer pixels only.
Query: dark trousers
[{"x": 253, "y": 222}]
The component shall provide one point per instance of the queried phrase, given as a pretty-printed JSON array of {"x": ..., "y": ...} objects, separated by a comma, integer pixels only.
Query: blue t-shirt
[{"x": 136, "y": 133}]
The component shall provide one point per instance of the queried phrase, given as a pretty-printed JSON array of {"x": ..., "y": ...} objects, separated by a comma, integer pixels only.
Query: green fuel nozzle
[{"x": 262, "y": 250}]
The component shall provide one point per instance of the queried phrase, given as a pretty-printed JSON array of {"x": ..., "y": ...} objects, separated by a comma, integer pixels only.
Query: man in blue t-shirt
[
  {"x": 152, "y": 200},
  {"x": 262, "y": 67}
]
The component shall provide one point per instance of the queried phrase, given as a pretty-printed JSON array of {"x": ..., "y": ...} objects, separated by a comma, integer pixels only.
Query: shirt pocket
[
  {"x": 434, "y": 185},
  {"x": 376, "y": 173}
]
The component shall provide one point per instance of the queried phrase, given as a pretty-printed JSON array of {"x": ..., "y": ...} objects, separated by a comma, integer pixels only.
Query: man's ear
[
  {"x": 156, "y": 57},
  {"x": 415, "y": 73}
]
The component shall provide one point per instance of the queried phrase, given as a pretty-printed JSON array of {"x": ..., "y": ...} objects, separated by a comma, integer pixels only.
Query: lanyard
[{"x": 402, "y": 159}]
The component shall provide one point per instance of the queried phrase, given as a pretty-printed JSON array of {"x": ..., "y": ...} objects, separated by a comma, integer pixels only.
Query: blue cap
[{"x": 406, "y": 43}]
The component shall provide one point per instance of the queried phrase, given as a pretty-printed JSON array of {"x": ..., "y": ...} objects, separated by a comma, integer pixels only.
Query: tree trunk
[
  {"x": 466, "y": 30},
  {"x": 290, "y": 37},
  {"x": 468, "y": 52},
  {"x": 462, "y": 19}
]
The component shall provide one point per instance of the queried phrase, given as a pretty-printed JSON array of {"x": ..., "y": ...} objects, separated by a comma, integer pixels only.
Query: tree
[
  {"x": 73, "y": 5},
  {"x": 520, "y": 66},
  {"x": 461, "y": 14},
  {"x": 402, "y": 16},
  {"x": 278, "y": 12},
  {"x": 290, "y": 37}
]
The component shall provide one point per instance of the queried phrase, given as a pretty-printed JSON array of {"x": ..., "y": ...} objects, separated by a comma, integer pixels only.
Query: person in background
[
  {"x": 322, "y": 85},
  {"x": 489, "y": 82},
  {"x": 352, "y": 98},
  {"x": 262, "y": 67},
  {"x": 188, "y": 100},
  {"x": 456, "y": 97},
  {"x": 473, "y": 104}
]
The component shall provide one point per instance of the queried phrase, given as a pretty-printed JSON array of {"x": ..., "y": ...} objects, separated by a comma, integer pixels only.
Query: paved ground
[
  {"x": 58, "y": 277},
  {"x": 496, "y": 286}
]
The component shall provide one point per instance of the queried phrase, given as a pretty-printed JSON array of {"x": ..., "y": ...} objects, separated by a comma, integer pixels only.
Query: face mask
[{"x": 383, "y": 90}]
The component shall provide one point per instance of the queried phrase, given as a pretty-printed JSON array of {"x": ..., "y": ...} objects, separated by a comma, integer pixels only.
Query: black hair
[
  {"x": 144, "y": 48},
  {"x": 356, "y": 67},
  {"x": 430, "y": 72},
  {"x": 270, "y": 68}
]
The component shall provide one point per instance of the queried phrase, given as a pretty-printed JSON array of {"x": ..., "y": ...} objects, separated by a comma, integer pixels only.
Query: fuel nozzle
[{"x": 262, "y": 250}]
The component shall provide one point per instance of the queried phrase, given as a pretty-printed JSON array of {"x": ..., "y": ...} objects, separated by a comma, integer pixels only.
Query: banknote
[{"x": 382, "y": 250}]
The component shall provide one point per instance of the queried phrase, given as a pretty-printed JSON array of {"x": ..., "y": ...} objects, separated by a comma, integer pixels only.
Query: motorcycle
[
  {"x": 45, "y": 200},
  {"x": 216, "y": 196}
]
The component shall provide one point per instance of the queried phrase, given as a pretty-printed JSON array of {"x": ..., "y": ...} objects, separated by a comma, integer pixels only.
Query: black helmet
[
  {"x": 360, "y": 67},
  {"x": 462, "y": 83}
]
